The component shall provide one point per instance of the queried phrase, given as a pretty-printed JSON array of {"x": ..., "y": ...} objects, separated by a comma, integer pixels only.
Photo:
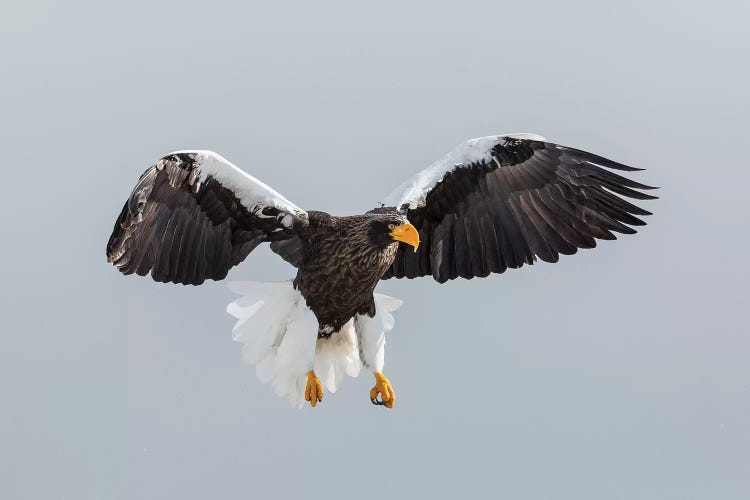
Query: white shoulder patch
[
  {"x": 414, "y": 191},
  {"x": 527, "y": 136},
  {"x": 252, "y": 193}
]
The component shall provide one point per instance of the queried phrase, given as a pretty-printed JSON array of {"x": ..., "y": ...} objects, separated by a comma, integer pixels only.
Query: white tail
[{"x": 279, "y": 336}]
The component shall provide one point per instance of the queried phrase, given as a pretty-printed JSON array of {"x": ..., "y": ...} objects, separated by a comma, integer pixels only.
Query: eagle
[{"x": 492, "y": 204}]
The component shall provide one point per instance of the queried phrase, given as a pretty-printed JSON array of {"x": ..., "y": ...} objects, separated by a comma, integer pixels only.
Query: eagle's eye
[{"x": 391, "y": 227}]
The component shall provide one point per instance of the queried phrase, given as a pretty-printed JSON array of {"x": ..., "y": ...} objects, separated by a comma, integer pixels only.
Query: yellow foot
[
  {"x": 313, "y": 389},
  {"x": 384, "y": 390}
]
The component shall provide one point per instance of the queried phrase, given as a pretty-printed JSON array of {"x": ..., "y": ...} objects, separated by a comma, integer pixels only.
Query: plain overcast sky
[{"x": 619, "y": 373}]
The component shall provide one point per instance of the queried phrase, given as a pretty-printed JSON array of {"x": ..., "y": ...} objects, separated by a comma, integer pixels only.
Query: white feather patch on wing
[
  {"x": 279, "y": 336},
  {"x": 252, "y": 193},
  {"x": 413, "y": 191}
]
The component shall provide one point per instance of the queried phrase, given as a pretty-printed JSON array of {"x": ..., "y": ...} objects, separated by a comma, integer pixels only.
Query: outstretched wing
[
  {"x": 499, "y": 202},
  {"x": 193, "y": 216}
]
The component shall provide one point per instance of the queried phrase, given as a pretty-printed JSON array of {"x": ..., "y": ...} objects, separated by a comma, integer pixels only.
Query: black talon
[{"x": 376, "y": 402}]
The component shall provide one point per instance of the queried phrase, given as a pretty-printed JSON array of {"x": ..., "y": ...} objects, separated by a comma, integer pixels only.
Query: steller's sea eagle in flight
[{"x": 492, "y": 204}]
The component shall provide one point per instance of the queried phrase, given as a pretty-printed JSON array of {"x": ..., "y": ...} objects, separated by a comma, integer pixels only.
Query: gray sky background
[{"x": 618, "y": 373}]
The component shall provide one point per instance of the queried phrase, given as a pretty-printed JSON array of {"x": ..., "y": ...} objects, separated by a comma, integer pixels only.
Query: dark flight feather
[
  {"x": 185, "y": 229},
  {"x": 517, "y": 200}
]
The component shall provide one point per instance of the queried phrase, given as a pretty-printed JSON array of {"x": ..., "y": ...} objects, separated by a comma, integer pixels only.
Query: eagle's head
[{"x": 388, "y": 228}]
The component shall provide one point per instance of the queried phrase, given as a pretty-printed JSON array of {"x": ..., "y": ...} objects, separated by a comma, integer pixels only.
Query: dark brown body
[{"x": 340, "y": 268}]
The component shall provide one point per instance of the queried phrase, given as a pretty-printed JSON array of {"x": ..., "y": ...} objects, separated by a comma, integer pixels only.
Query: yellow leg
[
  {"x": 313, "y": 389},
  {"x": 383, "y": 389}
]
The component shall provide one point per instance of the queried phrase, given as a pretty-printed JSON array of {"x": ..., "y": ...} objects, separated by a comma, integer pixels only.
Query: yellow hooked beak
[{"x": 406, "y": 233}]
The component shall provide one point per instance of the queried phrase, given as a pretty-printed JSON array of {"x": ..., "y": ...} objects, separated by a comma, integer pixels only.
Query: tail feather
[
  {"x": 279, "y": 336},
  {"x": 261, "y": 307},
  {"x": 336, "y": 356}
]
